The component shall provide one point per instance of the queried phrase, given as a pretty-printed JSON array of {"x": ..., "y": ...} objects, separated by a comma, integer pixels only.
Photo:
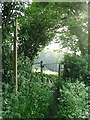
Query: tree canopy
[
  {"x": 39, "y": 23},
  {"x": 38, "y": 94}
]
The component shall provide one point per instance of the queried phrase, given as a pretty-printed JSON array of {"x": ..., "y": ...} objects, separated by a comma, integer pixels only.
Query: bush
[
  {"x": 34, "y": 98},
  {"x": 75, "y": 67},
  {"x": 73, "y": 100},
  {"x": 31, "y": 101}
]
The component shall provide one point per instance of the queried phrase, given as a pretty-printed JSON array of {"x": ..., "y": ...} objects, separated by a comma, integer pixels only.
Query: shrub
[
  {"x": 75, "y": 67},
  {"x": 32, "y": 101},
  {"x": 73, "y": 100},
  {"x": 34, "y": 98}
]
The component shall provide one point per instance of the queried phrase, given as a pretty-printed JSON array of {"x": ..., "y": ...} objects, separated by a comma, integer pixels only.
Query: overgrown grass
[
  {"x": 32, "y": 101},
  {"x": 73, "y": 100},
  {"x": 35, "y": 98}
]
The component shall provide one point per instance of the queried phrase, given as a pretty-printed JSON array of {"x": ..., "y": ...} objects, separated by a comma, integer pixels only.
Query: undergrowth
[{"x": 35, "y": 98}]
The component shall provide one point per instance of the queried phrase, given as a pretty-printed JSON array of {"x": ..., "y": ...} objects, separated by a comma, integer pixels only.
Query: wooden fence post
[
  {"x": 88, "y": 42},
  {"x": 15, "y": 53},
  {"x": 59, "y": 72},
  {"x": 41, "y": 65}
]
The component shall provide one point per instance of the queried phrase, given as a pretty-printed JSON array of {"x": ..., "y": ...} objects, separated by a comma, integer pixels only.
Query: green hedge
[
  {"x": 75, "y": 67},
  {"x": 73, "y": 100},
  {"x": 35, "y": 98}
]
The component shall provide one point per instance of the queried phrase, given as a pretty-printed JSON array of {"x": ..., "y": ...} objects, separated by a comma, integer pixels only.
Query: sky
[
  {"x": 50, "y": 53},
  {"x": 55, "y": 46}
]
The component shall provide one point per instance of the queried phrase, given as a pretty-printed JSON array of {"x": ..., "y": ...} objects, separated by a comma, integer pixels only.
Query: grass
[{"x": 35, "y": 98}]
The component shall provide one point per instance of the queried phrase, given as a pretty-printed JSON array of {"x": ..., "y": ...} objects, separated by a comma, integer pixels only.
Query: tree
[
  {"x": 35, "y": 27},
  {"x": 74, "y": 34},
  {"x": 10, "y": 11},
  {"x": 38, "y": 24},
  {"x": 75, "y": 67}
]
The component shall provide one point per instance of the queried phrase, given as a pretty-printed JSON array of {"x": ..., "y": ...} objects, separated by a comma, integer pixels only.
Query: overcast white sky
[{"x": 55, "y": 46}]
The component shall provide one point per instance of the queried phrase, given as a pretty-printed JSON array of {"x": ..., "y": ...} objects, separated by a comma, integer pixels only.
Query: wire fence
[{"x": 48, "y": 68}]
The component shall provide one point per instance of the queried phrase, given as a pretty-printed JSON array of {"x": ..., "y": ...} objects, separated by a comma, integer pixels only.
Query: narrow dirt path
[{"x": 55, "y": 108}]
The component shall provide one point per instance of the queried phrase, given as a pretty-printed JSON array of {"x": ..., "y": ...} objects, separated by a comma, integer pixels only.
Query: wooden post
[
  {"x": 15, "y": 53},
  {"x": 1, "y": 90},
  {"x": 88, "y": 39},
  {"x": 41, "y": 70},
  {"x": 59, "y": 72}
]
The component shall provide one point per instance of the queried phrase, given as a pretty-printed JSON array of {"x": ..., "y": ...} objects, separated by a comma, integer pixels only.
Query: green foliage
[
  {"x": 33, "y": 98},
  {"x": 24, "y": 69},
  {"x": 7, "y": 54},
  {"x": 75, "y": 36},
  {"x": 9, "y": 13},
  {"x": 33, "y": 101},
  {"x": 36, "y": 28},
  {"x": 75, "y": 67},
  {"x": 73, "y": 100},
  {"x": 38, "y": 25}
]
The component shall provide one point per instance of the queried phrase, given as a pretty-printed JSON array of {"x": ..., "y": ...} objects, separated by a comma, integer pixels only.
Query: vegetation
[
  {"x": 38, "y": 24},
  {"x": 73, "y": 100},
  {"x": 74, "y": 63},
  {"x": 35, "y": 98},
  {"x": 33, "y": 101}
]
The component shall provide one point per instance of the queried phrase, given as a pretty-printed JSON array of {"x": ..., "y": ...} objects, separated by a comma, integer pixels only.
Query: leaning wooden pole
[
  {"x": 88, "y": 39},
  {"x": 15, "y": 53}
]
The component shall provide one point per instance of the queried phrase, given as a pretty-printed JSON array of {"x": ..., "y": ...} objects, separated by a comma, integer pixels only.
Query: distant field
[{"x": 46, "y": 71}]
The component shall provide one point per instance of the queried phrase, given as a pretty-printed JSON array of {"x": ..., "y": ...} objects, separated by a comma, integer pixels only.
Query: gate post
[
  {"x": 41, "y": 65},
  {"x": 88, "y": 43},
  {"x": 59, "y": 72},
  {"x": 15, "y": 53}
]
